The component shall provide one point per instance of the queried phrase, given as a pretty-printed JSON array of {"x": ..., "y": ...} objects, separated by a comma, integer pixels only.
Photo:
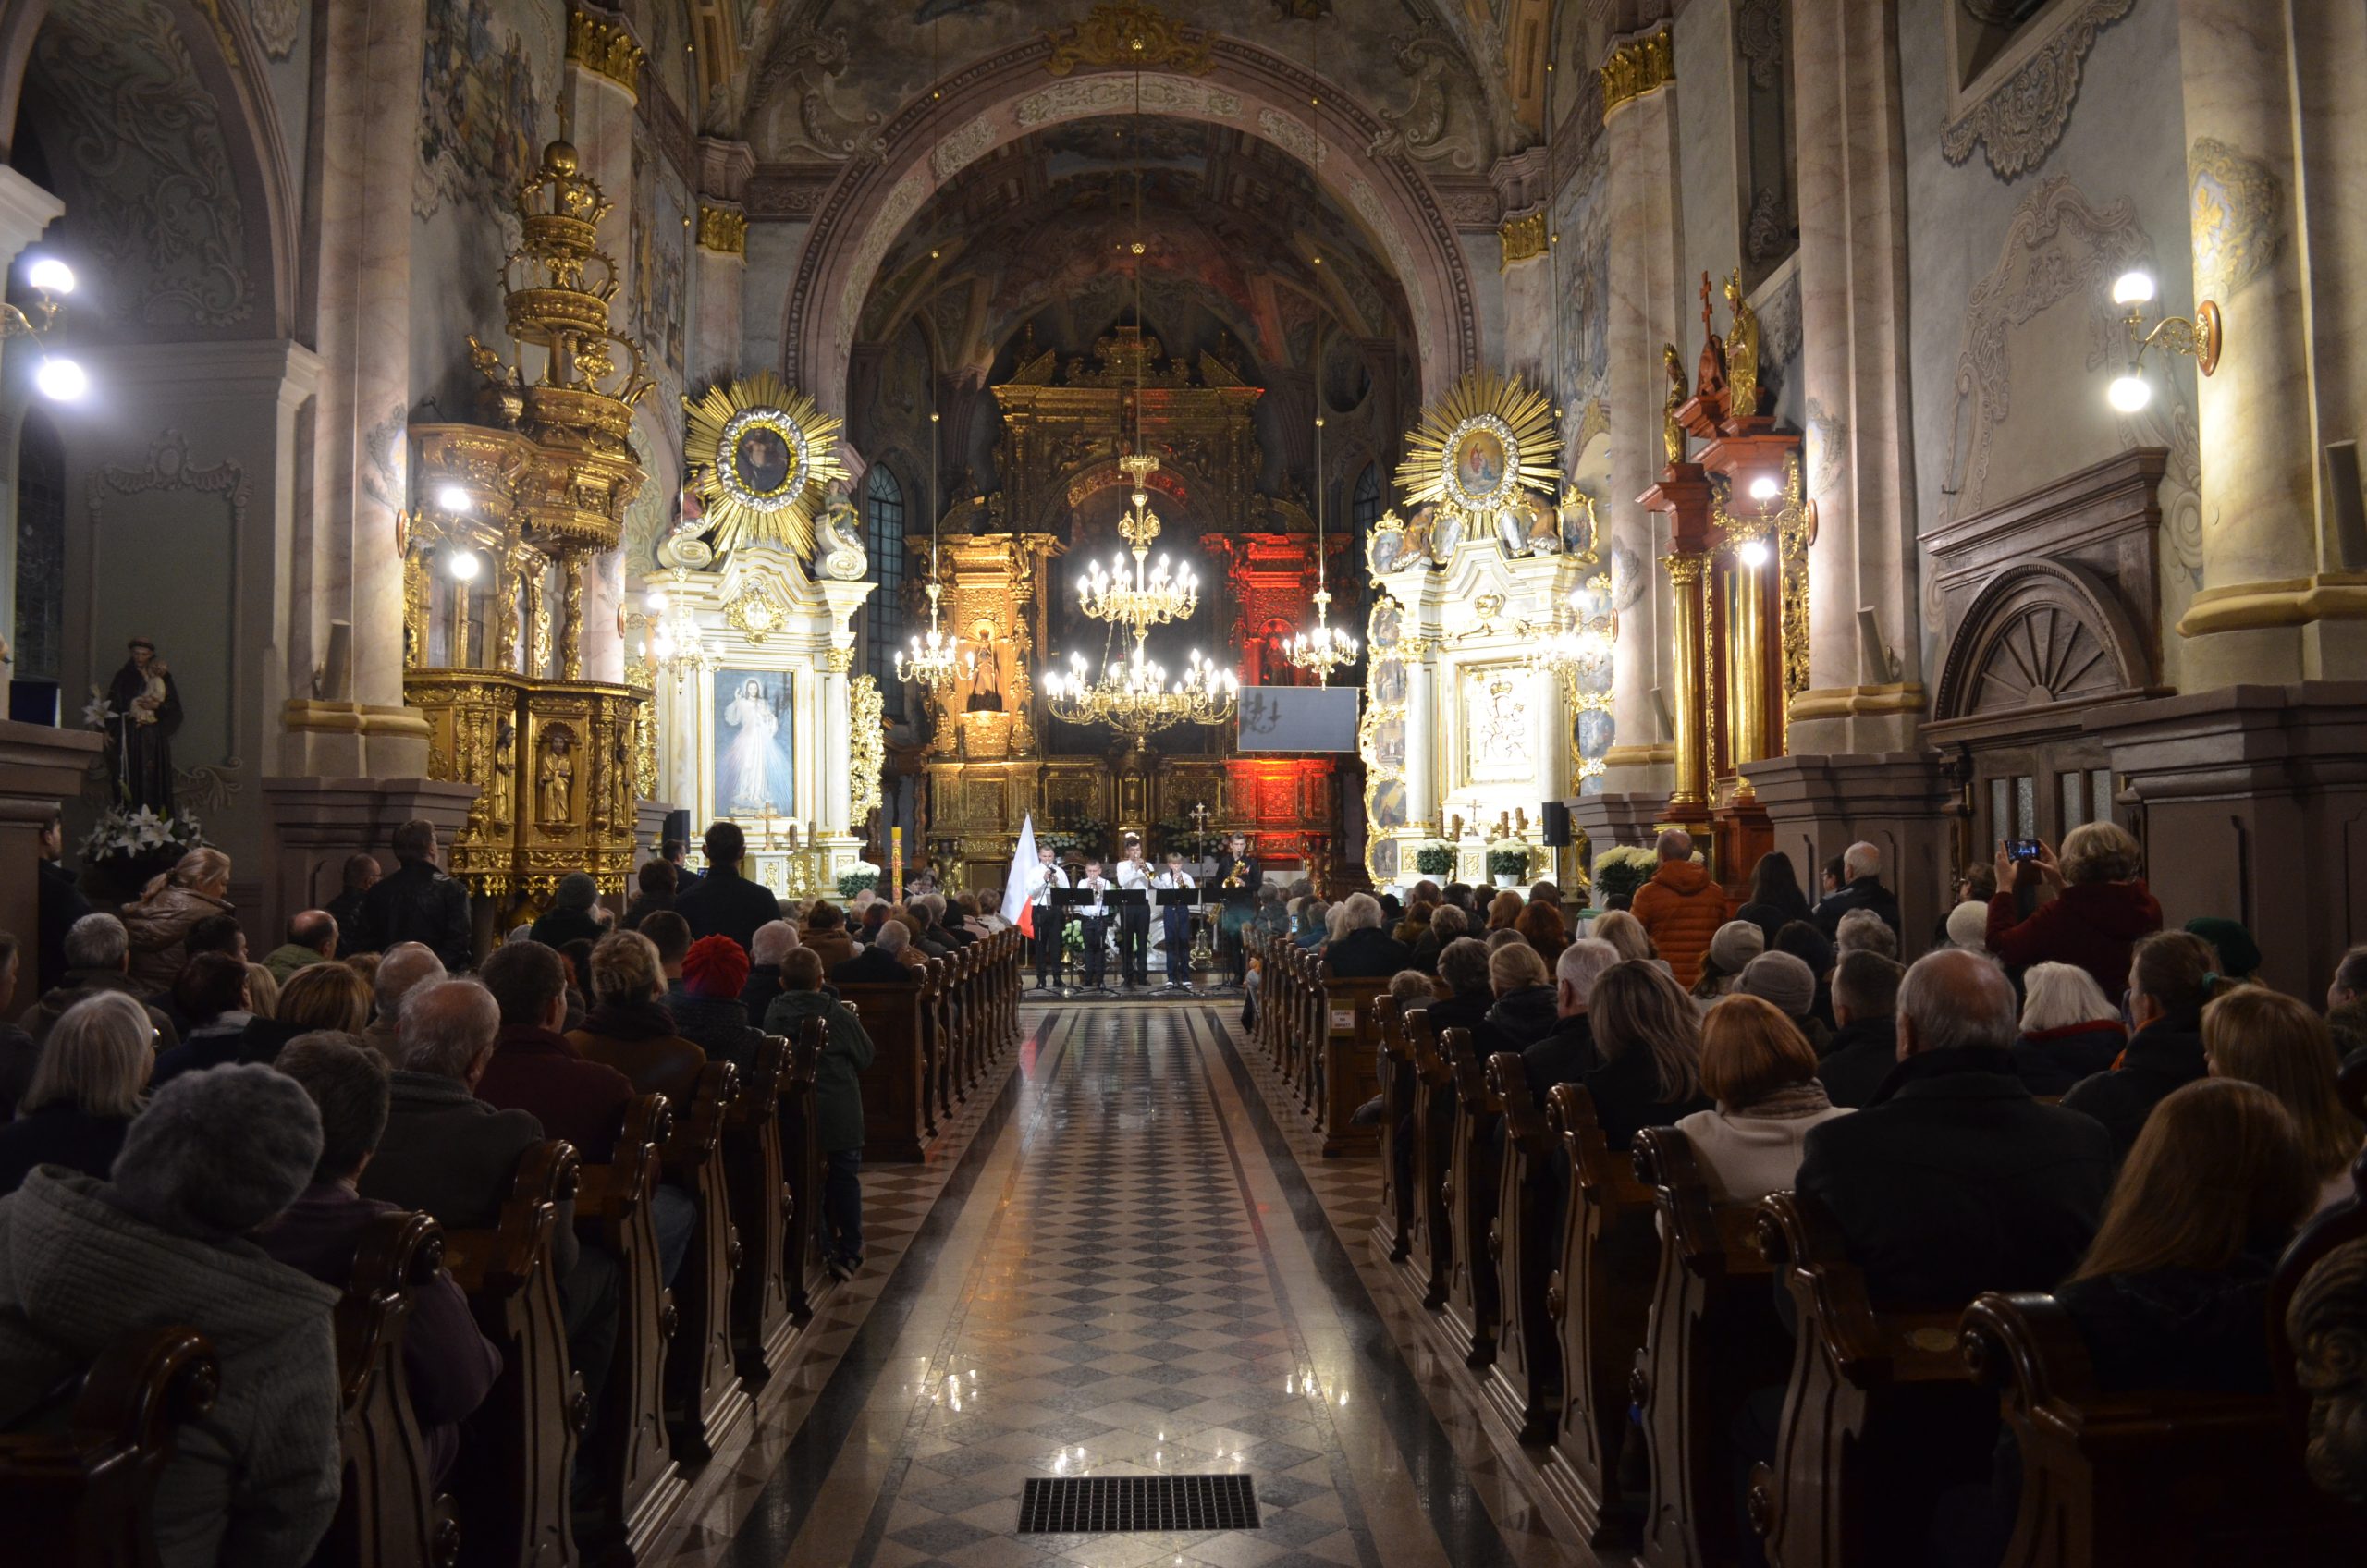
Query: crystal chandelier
[
  {"x": 1324, "y": 649},
  {"x": 934, "y": 660},
  {"x": 1133, "y": 695},
  {"x": 1578, "y": 643},
  {"x": 672, "y": 640},
  {"x": 1327, "y": 647},
  {"x": 1142, "y": 595}
]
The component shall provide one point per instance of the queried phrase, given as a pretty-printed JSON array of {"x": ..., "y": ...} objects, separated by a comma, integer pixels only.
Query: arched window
[
  {"x": 883, "y": 623},
  {"x": 40, "y": 549}
]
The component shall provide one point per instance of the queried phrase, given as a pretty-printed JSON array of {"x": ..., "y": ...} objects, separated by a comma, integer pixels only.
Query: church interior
[{"x": 1094, "y": 783}]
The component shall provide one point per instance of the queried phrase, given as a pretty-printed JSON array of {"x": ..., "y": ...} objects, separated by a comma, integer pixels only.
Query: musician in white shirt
[
  {"x": 1176, "y": 922},
  {"x": 1134, "y": 920},
  {"x": 1095, "y": 918},
  {"x": 1046, "y": 876}
]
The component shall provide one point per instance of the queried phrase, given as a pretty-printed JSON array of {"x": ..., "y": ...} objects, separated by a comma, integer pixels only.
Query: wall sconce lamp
[
  {"x": 59, "y": 378},
  {"x": 2130, "y": 391}
]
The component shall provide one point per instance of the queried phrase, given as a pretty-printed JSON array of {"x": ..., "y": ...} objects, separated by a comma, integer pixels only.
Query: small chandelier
[
  {"x": 1141, "y": 596},
  {"x": 672, "y": 639},
  {"x": 935, "y": 660},
  {"x": 1324, "y": 649},
  {"x": 1133, "y": 696},
  {"x": 1579, "y": 642}
]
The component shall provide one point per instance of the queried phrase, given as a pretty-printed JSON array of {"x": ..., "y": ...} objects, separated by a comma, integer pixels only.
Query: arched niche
[
  {"x": 996, "y": 100},
  {"x": 2041, "y": 638}
]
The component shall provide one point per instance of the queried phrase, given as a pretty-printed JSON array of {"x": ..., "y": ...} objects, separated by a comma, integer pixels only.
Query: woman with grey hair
[
  {"x": 85, "y": 1090},
  {"x": 214, "y": 1158},
  {"x": 2100, "y": 911}
]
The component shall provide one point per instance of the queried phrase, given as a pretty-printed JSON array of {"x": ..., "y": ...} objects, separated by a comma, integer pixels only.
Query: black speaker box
[{"x": 1554, "y": 817}]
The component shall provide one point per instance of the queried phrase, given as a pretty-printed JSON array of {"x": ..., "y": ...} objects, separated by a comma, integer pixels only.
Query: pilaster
[{"x": 1897, "y": 801}]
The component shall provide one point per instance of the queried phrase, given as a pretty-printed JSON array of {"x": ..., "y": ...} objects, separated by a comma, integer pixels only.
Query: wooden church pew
[
  {"x": 388, "y": 1509},
  {"x": 801, "y": 1156},
  {"x": 1433, "y": 1142},
  {"x": 933, "y": 1047},
  {"x": 703, "y": 1397},
  {"x": 1396, "y": 1070},
  {"x": 758, "y": 1192},
  {"x": 518, "y": 1450},
  {"x": 1346, "y": 1063},
  {"x": 632, "y": 1459},
  {"x": 1472, "y": 1307},
  {"x": 2169, "y": 1479},
  {"x": 1602, "y": 1301},
  {"x": 1879, "y": 1415},
  {"x": 1525, "y": 1381},
  {"x": 895, "y": 1118},
  {"x": 84, "y": 1494},
  {"x": 1714, "y": 1338}
]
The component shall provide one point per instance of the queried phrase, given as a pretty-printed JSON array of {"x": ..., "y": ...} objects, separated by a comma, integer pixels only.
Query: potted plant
[
  {"x": 1508, "y": 867},
  {"x": 856, "y": 878},
  {"x": 1434, "y": 860},
  {"x": 125, "y": 849},
  {"x": 1620, "y": 870}
]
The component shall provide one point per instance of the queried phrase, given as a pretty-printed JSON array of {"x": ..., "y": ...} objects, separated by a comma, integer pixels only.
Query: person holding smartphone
[{"x": 2099, "y": 911}]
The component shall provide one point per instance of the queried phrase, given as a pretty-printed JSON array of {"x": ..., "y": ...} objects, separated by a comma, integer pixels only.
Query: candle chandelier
[
  {"x": 670, "y": 637},
  {"x": 1138, "y": 595},
  {"x": 934, "y": 660},
  {"x": 1133, "y": 696},
  {"x": 1325, "y": 648},
  {"x": 1578, "y": 643}
]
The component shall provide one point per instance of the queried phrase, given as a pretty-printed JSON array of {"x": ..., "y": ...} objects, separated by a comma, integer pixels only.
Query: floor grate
[{"x": 1099, "y": 1504}]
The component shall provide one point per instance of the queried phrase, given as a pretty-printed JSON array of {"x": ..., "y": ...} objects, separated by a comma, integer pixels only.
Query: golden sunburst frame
[
  {"x": 1477, "y": 450},
  {"x": 762, "y": 454}
]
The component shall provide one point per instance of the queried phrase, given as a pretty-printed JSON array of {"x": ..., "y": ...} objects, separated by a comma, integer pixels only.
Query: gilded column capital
[
  {"x": 605, "y": 46},
  {"x": 1685, "y": 566},
  {"x": 1523, "y": 238},
  {"x": 723, "y": 229},
  {"x": 1637, "y": 66}
]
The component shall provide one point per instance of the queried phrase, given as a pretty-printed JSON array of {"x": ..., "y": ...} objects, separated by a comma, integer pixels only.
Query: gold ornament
[
  {"x": 1129, "y": 34},
  {"x": 763, "y": 455},
  {"x": 724, "y": 230},
  {"x": 1477, "y": 449},
  {"x": 1742, "y": 349},
  {"x": 604, "y": 47},
  {"x": 1671, "y": 429},
  {"x": 1635, "y": 67}
]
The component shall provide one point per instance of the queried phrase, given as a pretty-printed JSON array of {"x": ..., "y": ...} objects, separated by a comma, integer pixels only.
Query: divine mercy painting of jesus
[{"x": 755, "y": 772}]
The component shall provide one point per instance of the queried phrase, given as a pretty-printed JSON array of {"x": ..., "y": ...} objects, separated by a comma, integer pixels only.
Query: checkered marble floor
[{"x": 1130, "y": 1263}]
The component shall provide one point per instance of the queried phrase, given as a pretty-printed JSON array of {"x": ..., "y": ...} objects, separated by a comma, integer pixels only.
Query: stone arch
[
  {"x": 2038, "y": 637},
  {"x": 996, "y": 100}
]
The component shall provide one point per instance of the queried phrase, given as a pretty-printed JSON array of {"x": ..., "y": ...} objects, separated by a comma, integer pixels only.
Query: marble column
[
  {"x": 603, "y": 126},
  {"x": 2271, "y": 111},
  {"x": 1646, "y": 291},
  {"x": 1862, "y": 697},
  {"x": 1422, "y": 738},
  {"x": 368, "y": 146}
]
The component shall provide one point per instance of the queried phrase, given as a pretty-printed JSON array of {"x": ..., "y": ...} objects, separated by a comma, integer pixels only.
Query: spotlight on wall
[
  {"x": 1753, "y": 552},
  {"x": 1766, "y": 487},
  {"x": 50, "y": 275},
  {"x": 465, "y": 565},
  {"x": 2200, "y": 336},
  {"x": 60, "y": 379},
  {"x": 452, "y": 498}
]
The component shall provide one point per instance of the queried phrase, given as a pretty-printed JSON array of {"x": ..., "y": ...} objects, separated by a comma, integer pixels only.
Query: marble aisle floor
[{"x": 1126, "y": 1272}]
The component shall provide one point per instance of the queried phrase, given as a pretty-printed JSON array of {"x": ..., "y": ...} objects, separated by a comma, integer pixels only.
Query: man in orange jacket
[{"x": 1681, "y": 906}]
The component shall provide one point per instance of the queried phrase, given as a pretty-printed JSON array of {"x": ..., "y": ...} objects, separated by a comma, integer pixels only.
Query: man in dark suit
[
  {"x": 450, "y": 1154},
  {"x": 881, "y": 962},
  {"x": 723, "y": 902},
  {"x": 1864, "y": 1049},
  {"x": 1364, "y": 951},
  {"x": 419, "y": 903},
  {"x": 361, "y": 873},
  {"x": 1567, "y": 1054},
  {"x": 58, "y": 903},
  {"x": 1953, "y": 1181},
  {"x": 1862, "y": 888},
  {"x": 675, "y": 853}
]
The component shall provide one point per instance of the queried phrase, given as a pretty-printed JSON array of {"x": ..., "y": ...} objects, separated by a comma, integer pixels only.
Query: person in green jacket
[
  {"x": 838, "y": 1093},
  {"x": 312, "y": 939}
]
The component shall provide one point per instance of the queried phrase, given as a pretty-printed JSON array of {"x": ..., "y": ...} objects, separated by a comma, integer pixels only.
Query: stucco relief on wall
[{"x": 2017, "y": 122}]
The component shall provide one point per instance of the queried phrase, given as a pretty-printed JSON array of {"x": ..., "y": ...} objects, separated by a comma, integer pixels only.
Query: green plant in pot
[
  {"x": 1434, "y": 860},
  {"x": 1508, "y": 867},
  {"x": 855, "y": 881},
  {"x": 1619, "y": 871}
]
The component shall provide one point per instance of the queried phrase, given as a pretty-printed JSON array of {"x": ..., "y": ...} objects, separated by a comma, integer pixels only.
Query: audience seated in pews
[
  {"x": 883, "y": 960},
  {"x": 212, "y": 1159},
  {"x": 1682, "y": 906},
  {"x": 570, "y": 917},
  {"x": 1776, "y": 898},
  {"x": 1953, "y": 1180},
  {"x": 2070, "y": 1028},
  {"x": 1468, "y": 993},
  {"x": 312, "y": 939},
  {"x": 212, "y": 997},
  {"x": 725, "y": 903},
  {"x": 1540, "y": 926},
  {"x": 1524, "y": 1011},
  {"x": 2256, "y": 1036},
  {"x": 449, "y": 1365},
  {"x": 1863, "y": 931},
  {"x": 1864, "y": 1049},
  {"x": 1791, "y": 986},
  {"x": 97, "y": 953},
  {"x": 825, "y": 932},
  {"x": 1648, "y": 1035},
  {"x": 1967, "y": 927},
  {"x": 262, "y": 992},
  {"x": 1625, "y": 932},
  {"x": 416, "y": 902},
  {"x": 1565, "y": 1054},
  {"x": 706, "y": 1001},
  {"x": 2238, "y": 954},
  {"x": 1760, "y": 1072},
  {"x": 2346, "y": 1003},
  {"x": 1803, "y": 940},
  {"x": 774, "y": 942},
  {"x": 1446, "y": 923},
  {"x": 629, "y": 1027},
  {"x": 454, "y": 1156},
  {"x": 1364, "y": 950},
  {"x": 160, "y": 921},
  {"x": 85, "y": 1088},
  {"x": 2099, "y": 911},
  {"x": 1730, "y": 951},
  {"x": 654, "y": 885},
  {"x": 2169, "y": 982},
  {"x": 404, "y": 969},
  {"x": 330, "y": 995},
  {"x": 18, "y": 1053},
  {"x": 1857, "y": 884},
  {"x": 1418, "y": 910},
  {"x": 838, "y": 1091}
]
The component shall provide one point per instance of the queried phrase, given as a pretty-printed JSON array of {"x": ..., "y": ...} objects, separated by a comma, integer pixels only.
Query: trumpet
[{"x": 1234, "y": 877}]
